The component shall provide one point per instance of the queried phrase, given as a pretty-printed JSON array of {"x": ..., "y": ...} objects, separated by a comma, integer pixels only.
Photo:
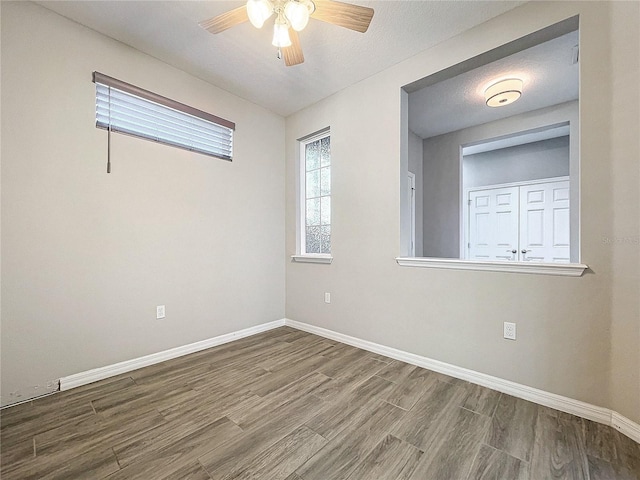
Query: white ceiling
[
  {"x": 242, "y": 61},
  {"x": 549, "y": 74}
]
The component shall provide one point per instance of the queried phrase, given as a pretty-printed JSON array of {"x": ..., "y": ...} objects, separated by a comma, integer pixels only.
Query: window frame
[{"x": 301, "y": 231}]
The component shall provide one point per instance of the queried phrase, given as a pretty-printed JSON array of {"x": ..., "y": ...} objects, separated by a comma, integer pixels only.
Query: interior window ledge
[
  {"x": 312, "y": 258},
  {"x": 563, "y": 269}
]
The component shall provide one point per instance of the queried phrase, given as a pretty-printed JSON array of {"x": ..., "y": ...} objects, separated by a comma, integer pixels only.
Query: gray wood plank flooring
[{"x": 288, "y": 405}]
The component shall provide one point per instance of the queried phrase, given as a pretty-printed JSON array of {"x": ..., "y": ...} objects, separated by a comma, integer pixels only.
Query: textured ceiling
[
  {"x": 242, "y": 61},
  {"x": 549, "y": 74}
]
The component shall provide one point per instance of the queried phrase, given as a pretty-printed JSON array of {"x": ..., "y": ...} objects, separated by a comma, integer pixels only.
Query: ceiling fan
[{"x": 291, "y": 16}]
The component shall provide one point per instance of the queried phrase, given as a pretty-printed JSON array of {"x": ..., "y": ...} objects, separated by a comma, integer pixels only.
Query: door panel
[
  {"x": 493, "y": 224},
  {"x": 545, "y": 222},
  {"x": 482, "y": 229},
  {"x": 504, "y": 236},
  {"x": 561, "y": 227},
  {"x": 535, "y": 232}
]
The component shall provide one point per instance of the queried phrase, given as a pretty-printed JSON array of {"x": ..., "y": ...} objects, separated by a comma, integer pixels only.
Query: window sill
[
  {"x": 312, "y": 258},
  {"x": 563, "y": 269}
]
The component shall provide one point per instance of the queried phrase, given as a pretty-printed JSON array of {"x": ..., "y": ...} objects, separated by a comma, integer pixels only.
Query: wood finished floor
[{"x": 293, "y": 406}]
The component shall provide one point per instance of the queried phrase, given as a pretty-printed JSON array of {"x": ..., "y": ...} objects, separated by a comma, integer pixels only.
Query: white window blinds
[{"x": 121, "y": 107}]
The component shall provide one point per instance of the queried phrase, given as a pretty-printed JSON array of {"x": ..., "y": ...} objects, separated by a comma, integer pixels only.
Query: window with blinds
[{"x": 125, "y": 108}]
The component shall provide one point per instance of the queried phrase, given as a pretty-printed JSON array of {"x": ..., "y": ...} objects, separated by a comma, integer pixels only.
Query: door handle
[
  {"x": 514, "y": 251},
  {"x": 524, "y": 251}
]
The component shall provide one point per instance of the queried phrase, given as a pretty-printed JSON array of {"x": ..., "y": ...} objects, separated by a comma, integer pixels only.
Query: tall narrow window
[{"x": 315, "y": 195}]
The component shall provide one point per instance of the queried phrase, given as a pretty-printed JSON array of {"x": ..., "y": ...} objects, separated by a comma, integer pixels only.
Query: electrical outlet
[
  {"x": 160, "y": 311},
  {"x": 327, "y": 297},
  {"x": 510, "y": 330}
]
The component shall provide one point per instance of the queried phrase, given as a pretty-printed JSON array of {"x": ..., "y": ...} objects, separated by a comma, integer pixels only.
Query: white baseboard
[
  {"x": 625, "y": 426},
  {"x": 541, "y": 397},
  {"x": 90, "y": 376}
]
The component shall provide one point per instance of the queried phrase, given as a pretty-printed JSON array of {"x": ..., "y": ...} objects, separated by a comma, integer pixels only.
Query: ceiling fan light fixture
[
  {"x": 281, "y": 34},
  {"x": 503, "y": 92},
  {"x": 291, "y": 16},
  {"x": 297, "y": 12},
  {"x": 258, "y": 11}
]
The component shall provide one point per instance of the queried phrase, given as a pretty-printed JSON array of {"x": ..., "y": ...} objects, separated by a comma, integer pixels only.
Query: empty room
[{"x": 320, "y": 240}]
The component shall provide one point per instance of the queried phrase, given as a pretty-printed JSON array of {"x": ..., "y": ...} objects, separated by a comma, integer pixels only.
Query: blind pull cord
[{"x": 109, "y": 137}]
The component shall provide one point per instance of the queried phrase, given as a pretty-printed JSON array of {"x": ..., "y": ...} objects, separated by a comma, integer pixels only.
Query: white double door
[{"x": 526, "y": 223}]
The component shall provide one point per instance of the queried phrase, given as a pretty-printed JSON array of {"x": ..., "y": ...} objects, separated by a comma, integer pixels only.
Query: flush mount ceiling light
[
  {"x": 291, "y": 16},
  {"x": 503, "y": 92}
]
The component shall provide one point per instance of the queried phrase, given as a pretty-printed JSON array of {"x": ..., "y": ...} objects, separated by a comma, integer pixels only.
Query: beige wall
[
  {"x": 577, "y": 337},
  {"x": 622, "y": 129},
  {"x": 87, "y": 256}
]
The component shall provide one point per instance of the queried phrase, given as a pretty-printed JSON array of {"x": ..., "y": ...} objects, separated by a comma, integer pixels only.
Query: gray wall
[
  {"x": 441, "y": 171},
  {"x": 87, "y": 256},
  {"x": 441, "y": 197},
  {"x": 532, "y": 161},
  {"x": 577, "y": 337}
]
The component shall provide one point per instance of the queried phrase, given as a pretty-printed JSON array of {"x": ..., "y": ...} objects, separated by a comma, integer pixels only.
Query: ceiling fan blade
[
  {"x": 226, "y": 20},
  {"x": 353, "y": 17},
  {"x": 293, "y": 54}
]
